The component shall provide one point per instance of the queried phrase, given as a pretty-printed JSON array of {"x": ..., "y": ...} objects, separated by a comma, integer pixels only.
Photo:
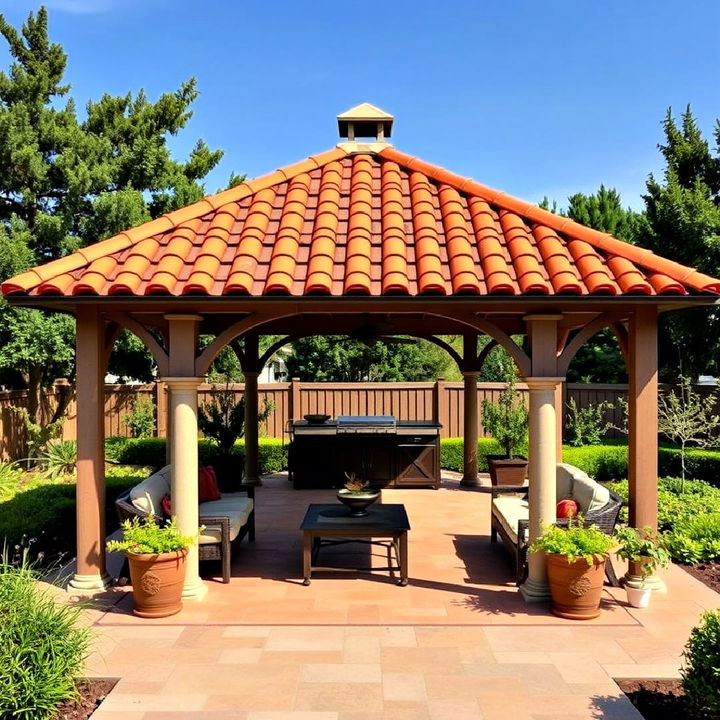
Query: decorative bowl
[
  {"x": 358, "y": 502},
  {"x": 316, "y": 419}
]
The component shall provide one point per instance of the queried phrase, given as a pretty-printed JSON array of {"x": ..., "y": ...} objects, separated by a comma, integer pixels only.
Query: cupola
[{"x": 364, "y": 127}]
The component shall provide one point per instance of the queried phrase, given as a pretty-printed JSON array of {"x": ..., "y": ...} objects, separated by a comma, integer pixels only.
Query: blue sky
[{"x": 533, "y": 98}]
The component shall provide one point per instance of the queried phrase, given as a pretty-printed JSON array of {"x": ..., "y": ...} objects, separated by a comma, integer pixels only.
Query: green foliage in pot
[
  {"x": 43, "y": 646},
  {"x": 145, "y": 537},
  {"x": 643, "y": 546},
  {"x": 507, "y": 421},
  {"x": 701, "y": 672},
  {"x": 574, "y": 541}
]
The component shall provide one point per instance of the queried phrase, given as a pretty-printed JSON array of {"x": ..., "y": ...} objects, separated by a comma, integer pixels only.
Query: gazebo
[{"x": 357, "y": 235}]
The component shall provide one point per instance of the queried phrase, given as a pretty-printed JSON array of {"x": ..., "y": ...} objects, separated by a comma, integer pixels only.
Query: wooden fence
[{"x": 439, "y": 400}]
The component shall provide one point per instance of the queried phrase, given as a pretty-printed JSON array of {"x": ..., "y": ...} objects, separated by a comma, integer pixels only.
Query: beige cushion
[
  {"x": 509, "y": 510},
  {"x": 564, "y": 474},
  {"x": 234, "y": 506},
  {"x": 148, "y": 495},
  {"x": 588, "y": 494}
]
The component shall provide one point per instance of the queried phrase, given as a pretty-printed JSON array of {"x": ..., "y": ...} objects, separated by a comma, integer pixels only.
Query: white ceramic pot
[{"x": 638, "y": 597}]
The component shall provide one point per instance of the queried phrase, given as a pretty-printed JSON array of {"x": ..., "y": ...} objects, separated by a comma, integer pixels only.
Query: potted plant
[
  {"x": 507, "y": 422},
  {"x": 646, "y": 549},
  {"x": 223, "y": 420},
  {"x": 576, "y": 558},
  {"x": 357, "y": 495},
  {"x": 156, "y": 556}
]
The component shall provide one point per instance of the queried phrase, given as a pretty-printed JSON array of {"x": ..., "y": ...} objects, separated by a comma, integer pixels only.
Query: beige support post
[
  {"x": 642, "y": 428},
  {"x": 90, "y": 574},
  {"x": 543, "y": 336},
  {"x": 542, "y": 494},
  {"x": 559, "y": 417},
  {"x": 252, "y": 475},
  {"x": 470, "y": 431},
  {"x": 184, "y": 473},
  {"x": 182, "y": 418}
]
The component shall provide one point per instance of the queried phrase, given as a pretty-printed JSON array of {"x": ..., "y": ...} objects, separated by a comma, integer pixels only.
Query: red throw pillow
[
  {"x": 566, "y": 508},
  {"x": 207, "y": 485},
  {"x": 166, "y": 503}
]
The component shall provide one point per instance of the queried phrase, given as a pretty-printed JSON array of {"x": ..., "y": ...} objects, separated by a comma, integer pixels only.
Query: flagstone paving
[{"x": 458, "y": 642}]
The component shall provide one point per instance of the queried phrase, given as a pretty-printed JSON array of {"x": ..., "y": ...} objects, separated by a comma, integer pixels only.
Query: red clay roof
[{"x": 376, "y": 223}]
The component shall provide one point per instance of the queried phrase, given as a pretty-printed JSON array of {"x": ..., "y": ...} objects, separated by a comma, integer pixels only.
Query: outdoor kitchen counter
[{"x": 404, "y": 455}]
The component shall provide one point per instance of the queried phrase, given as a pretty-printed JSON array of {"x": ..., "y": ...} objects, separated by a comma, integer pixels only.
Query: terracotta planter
[
  {"x": 157, "y": 582},
  {"x": 507, "y": 471},
  {"x": 575, "y": 587}
]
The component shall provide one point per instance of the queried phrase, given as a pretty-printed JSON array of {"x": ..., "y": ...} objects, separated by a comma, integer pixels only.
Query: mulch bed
[
  {"x": 660, "y": 700},
  {"x": 92, "y": 693},
  {"x": 708, "y": 573}
]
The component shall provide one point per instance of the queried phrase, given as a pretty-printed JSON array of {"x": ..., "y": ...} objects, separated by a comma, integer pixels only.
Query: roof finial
[{"x": 364, "y": 121}]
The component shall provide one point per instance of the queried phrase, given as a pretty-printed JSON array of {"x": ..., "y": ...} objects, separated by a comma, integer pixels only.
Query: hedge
[
  {"x": 602, "y": 462},
  {"x": 272, "y": 453}
]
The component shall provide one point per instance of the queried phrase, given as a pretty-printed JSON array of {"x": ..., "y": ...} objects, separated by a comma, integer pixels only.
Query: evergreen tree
[
  {"x": 603, "y": 211},
  {"x": 66, "y": 182},
  {"x": 682, "y": 222}
]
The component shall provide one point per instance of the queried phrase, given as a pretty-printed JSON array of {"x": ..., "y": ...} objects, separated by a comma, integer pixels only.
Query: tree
[
  {"x": 682, "y": 222},
  {"x": 603, "y": 211},
  {"x": 66, "y": 182},
  {"x": 339, "y": 359},
  {"x": 507, "y": 421},
  {"x": 686, "y": 418}
]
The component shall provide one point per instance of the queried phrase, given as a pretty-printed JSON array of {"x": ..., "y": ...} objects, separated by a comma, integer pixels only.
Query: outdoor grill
[{"x": 366, "y": 425}]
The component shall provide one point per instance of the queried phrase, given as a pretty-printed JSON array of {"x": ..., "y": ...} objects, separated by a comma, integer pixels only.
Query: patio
[{"x": 457, "y": 642}]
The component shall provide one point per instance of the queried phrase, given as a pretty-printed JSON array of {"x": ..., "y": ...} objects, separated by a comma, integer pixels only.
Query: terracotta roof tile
[{"x": 369, "y": 223}]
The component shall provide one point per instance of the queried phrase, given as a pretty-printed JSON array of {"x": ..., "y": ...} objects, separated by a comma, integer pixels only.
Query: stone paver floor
[{"x": 458, "y": 642}]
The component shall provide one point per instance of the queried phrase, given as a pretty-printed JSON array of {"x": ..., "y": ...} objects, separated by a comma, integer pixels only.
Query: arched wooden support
[
  {"x": 275, "y": 347},
  {"x": 502, "y": 338},
  {"x": 585, "y": 333},
  {"x": 202, "y": 364},
  {"x": 158, "y": 352},
  {"x": 485, "y": 352},
  {"x": 112, "y": 332},
  {"x": 623, "y": 338},
  {"x": 449, "y": 349}
]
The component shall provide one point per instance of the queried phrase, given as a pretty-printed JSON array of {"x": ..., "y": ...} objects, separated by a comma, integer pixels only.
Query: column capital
[
  {"x": 543, "y": 383},
  {"x": 182, "y": 383},
  {"x": 251, "y": 373},
  {"x": 469, "y": 373}
]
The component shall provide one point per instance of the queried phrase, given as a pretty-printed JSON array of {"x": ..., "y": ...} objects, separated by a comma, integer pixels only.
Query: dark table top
[{"x": 337, "y": 517}]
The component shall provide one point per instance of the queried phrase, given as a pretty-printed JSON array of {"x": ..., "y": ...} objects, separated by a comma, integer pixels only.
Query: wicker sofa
[
  {"x": 226, "y": 521},
  {"x": 510, "y": 513}
]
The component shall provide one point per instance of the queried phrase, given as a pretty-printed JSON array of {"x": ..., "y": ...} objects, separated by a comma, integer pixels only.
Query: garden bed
[
  {"x": 660, "y": 699},
  {"x": 91, "y": 694},
  {"x": 708, "y": 573}
]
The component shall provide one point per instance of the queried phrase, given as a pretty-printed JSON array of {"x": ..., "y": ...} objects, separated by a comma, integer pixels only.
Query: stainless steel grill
[{"x": 366, "y": 424}]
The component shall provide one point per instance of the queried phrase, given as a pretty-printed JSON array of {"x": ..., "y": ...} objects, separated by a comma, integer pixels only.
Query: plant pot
[
  {"x": 638, "y": 597},
  {"x": 358, "y": 502},
  {"x": 576, "y": 587},
  {"x": 157, "y": 582},
  {"x": 507, "y": 471}
]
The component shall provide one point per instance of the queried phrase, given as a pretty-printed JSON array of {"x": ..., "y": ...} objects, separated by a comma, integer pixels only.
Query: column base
[
  {"x": 534, "y": 591},
  {"x": 252, "y": 481},
  {"x": 636, "y": 581},
  {"x": 89, "y": 584},
  {"x": 194, "y": 589},
  {"x": 471, "y": 482}
]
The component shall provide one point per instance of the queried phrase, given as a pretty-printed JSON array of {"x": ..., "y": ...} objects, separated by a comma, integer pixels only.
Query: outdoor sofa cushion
[
  {"x": 588, "y": 494},
  {"x": 147, "y": 496},
  {"x": 234, "y": 506}
]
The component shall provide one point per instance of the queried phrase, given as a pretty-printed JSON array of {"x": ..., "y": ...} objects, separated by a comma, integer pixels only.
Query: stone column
[
  {"x": 252, "y": 475},
  {"x": 184, "y": 475},
  {"x": 543, "y": 457},
  {"x": 642, "y": 428},
  {"x": 90, "y": 573},
  {"x": 470, "y": 430}
]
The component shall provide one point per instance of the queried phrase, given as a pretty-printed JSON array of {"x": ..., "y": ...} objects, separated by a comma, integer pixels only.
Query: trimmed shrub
[
  {"x": 43, "y": 647},
  {"x": 699, "y": 464},
  {"x": 600, "y": 462},
  {"x": 451, "y": 453},
  {"x": 702, "y": 669}
]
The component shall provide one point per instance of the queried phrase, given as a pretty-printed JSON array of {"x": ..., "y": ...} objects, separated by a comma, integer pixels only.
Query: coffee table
[{"x": 332, "y": 524}]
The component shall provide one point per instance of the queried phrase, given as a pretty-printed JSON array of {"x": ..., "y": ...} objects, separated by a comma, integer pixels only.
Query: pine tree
[
  {"x": 682, "y": 222},
  {"x": 603, "y": 211},
  {"x": 67, "y": 181}
]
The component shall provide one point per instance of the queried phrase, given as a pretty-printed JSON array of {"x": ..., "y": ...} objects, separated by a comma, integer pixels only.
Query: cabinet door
[
  {"x": 313, "y": 464},
  {"x": 417, "y": 464}
]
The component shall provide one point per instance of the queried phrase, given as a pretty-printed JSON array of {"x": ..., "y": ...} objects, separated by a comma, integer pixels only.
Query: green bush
[
  {"x": 600, "y": 462},
  {"x": 272, "y": 452},
  {"x": 701, "y": 673},
  {"x": 141, "y": 418},
  {"x": 451, "y": 453},
  {"x": 43, "y": 647},
  {"x": 699, "y": 464},
  {"x": 696, "y": 538},
  {"x": 10, "y": 475},
  {"x": 60, "y": 458}
]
